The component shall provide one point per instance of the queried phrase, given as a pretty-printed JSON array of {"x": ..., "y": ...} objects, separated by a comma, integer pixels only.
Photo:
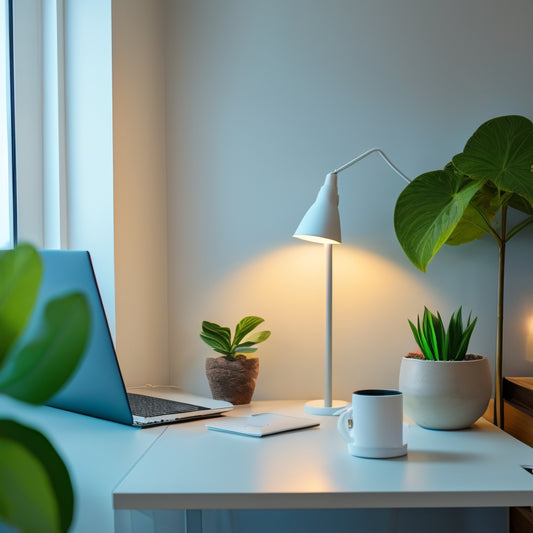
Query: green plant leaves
[
  {"x": 477, "y": 216},
  {"x": 460, "y": 339},
  {"x": 258, "y": 337},
  {"x": 458, "y": 204},
  {"x": 245, "y": 326},
  {"x": 54, "y": 353},
  {"x": 501, "y": 150},
  {"x": 36, "y": 492},
  {"x": 33, "y": 475},
  {"x": 436, "y": 343},
  {"x": 219, "y": 337},
  {"x": 428, "y": 210},
  {"x": 20, "y": 275}
]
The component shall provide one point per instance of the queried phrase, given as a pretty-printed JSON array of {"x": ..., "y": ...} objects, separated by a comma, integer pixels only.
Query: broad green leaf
[
  {"x": 240, "y": 349},
  {"x": 256, "y": 338},
  {"x": 480, "y": 211},
  {"x": 501, "y": 150},
  {"x": 245, "y": 344},
  {"x": 520, "y": 204},
  {"x": 217, "y": 342},
  {"x": 35, "y": 492},
  {"x": 247, "y": 324},
  {"x": 40, "y": 368},
  {"x": 428, "y": 210},
  {"x": 210, "y": 329},
  {"x": 222, "y": 351},
  {"x": 20, "y": 275}
]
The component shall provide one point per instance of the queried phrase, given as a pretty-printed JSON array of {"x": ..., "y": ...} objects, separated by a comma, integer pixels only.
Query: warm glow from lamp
[
  {"x": 314, "y": 238},
  {"x": 529, "y": 342}
]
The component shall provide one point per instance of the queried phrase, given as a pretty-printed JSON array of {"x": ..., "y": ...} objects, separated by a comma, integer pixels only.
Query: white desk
[
  {"x": 186, "y": 467},
  {"x": 189, "y": 467}
]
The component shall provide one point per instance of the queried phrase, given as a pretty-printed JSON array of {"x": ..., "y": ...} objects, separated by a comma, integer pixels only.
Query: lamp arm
[{"x": 371, "y": 151}]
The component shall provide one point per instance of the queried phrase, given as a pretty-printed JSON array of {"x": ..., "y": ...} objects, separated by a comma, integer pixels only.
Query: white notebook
[{"x": 261, "y": 424}]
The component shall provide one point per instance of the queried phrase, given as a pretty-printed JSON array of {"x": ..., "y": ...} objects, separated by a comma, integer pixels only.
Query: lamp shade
[{"x": 322, "y": 223}]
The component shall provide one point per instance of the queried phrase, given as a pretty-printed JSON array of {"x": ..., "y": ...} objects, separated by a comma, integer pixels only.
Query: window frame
[
  {"x": 11, "y": 139},
  {"x": 11, "y": 238}
]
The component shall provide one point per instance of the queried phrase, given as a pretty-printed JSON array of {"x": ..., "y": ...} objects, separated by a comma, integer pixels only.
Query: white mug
[{"x": 373, "y": 425}]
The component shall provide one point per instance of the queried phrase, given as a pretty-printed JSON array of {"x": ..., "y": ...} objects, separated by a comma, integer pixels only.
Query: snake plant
[{"x": 439, "y": 344}]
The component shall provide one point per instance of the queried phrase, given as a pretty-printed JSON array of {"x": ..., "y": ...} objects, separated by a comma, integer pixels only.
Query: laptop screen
[{"x": 96, "y": 388}]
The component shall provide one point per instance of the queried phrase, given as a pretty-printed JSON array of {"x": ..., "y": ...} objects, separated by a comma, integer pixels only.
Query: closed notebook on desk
[{"x": 97, "y": 388}]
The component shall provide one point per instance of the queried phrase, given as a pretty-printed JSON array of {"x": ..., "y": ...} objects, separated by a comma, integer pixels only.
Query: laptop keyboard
[{"x": 146, "y": 406}]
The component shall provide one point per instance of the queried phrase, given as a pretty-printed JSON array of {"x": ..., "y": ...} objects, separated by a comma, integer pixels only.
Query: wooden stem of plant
[{"x": 498, "y": 400}]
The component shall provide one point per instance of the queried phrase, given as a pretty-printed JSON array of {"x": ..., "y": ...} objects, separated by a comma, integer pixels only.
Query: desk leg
[{"x": 193, "y": 521}]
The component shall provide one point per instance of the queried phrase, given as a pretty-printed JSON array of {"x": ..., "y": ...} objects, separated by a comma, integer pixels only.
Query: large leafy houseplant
[
  {"x": 35, "y": 490},
  {"x": 473, "y": 196}
]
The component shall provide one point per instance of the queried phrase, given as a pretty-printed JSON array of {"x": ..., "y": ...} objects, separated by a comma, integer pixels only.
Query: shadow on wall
[{"x": 372, "y": 299}]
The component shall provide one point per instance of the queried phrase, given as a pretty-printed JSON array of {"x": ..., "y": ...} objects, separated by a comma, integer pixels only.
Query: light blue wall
[{"x": 263, "y": 99}]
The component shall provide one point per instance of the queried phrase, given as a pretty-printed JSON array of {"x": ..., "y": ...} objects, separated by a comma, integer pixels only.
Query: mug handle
[{"x": 345, "y": 423}]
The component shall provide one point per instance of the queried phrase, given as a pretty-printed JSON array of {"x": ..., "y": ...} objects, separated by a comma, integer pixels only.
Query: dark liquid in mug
[{"x": 377, "y": 392}]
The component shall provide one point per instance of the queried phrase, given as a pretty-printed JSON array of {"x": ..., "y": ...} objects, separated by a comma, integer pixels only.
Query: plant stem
[
  {"x": 519, "y": 227},
  {"x": 498, "y": 400},
  {"x": 487, "y": 225}
]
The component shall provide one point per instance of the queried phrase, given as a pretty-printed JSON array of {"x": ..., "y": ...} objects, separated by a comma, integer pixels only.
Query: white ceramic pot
[{"x": 445, "y": 394}]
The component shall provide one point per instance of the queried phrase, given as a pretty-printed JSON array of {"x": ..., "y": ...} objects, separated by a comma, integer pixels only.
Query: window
[{"x": 7, "y": 189}]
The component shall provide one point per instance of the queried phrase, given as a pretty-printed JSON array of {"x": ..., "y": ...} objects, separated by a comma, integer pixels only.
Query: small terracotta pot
[
  {"x": 445, "y": 394},
  {"x": 232, "y": 381}
]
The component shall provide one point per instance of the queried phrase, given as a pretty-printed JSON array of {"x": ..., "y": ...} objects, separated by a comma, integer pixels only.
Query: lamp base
[{"x": 317, "y": 407}]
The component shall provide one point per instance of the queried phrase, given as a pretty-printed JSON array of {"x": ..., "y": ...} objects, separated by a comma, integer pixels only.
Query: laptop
[{"x": 97, "y": 388}]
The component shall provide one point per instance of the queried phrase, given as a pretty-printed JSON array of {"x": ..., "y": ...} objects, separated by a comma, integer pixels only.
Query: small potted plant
[
  {"x": 444, "y": 387},
  {"x": 232, "y": 375}
]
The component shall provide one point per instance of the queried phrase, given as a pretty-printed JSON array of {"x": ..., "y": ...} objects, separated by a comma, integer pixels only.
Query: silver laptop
[{"x": 97, "y": 388}]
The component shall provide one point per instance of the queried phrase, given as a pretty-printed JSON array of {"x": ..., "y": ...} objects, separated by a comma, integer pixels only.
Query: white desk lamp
[{"x": 321, "y": 224}]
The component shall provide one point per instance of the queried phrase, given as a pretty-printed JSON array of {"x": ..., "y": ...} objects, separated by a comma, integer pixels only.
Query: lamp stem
[
  {"x": 328, "y": 336},
  {"x": 367, "y": 153},
  {"x": 327, "y": 406}
]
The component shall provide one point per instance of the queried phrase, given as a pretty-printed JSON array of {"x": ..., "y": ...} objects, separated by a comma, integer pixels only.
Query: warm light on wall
[
  {"x": 529, "y": 339},
  {"x": 285, "y": 286}
]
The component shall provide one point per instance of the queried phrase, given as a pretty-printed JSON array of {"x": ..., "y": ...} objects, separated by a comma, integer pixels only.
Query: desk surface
[{"x": 189, "y": 467}]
